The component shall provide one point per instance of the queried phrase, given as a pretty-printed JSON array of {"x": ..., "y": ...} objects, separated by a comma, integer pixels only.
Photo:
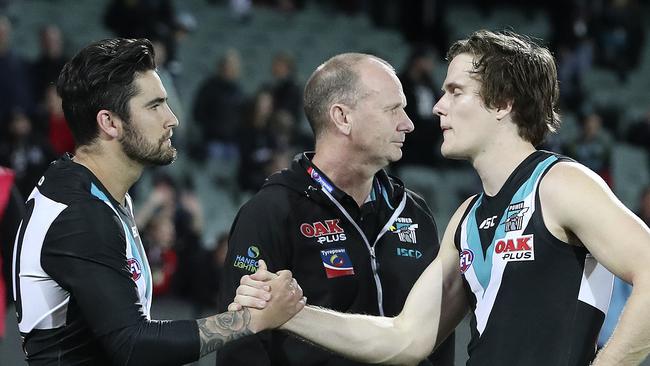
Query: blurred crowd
[{"x": 262, "y": 132}]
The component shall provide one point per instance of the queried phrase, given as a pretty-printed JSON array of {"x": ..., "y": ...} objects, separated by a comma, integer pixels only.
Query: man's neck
[
  {"x": 495, "y": 164},
  {"x": 346, "y": 172},
  {"x": 116, "y": 172}
]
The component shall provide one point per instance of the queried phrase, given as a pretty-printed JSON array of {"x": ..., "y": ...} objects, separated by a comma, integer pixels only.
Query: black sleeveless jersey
[{"x": 535, "y": 299}]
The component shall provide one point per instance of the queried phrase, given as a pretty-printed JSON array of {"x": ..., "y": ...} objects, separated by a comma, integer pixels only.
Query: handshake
[{"x": 272, "y": 298}]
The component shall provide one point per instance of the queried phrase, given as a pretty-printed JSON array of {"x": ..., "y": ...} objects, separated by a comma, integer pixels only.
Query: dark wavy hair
[
  {"x": 100, "y": 77},
  {"x": 512, "y": 67}
]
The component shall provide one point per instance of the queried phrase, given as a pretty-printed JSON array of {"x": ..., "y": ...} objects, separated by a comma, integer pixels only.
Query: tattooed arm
[
  {"x": 285, "y": 301},
  {"x": 217, "y": 330}
]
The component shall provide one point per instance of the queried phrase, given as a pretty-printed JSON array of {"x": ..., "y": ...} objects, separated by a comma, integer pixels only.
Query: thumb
[{"x": 261, "y": 265}]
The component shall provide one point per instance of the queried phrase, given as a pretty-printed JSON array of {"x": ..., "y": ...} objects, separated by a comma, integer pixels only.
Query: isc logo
[
  {"x": 412, "y": 253},
  {"x": 516, "y": 249}
]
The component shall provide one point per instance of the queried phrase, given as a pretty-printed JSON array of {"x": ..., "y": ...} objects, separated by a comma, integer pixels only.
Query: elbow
[{"x": 415, "y": 344}]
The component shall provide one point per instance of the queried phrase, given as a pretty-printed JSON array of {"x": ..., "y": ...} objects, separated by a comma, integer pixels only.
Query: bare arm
[
  {"x": 285, "y": 301},
  {"x": 217, "y": 330},
  {"x": 576, "y": 202},
  {"x": 434, "y": 307}
]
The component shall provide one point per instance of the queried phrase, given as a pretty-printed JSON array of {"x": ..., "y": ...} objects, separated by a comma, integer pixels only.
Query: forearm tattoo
[{"x": 217, "y": 330}]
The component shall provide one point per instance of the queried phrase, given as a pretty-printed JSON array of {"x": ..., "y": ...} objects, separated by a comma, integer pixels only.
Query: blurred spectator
[
  {"x": 241, "y": 9},
  {"x": 173, "y": 216},
  {"x": 203, "y": 271},
  {"x": 287, "y": 94},
  {"x": 148, "y": 19},
  {"x": 572, "y": 40},
  {"x": 46, "y": 68},
  {"x": 27, "y": 154},
  {"x": 423, "y": 21},
  {"x": 422, "y": 92},
  {"x": 256, "y": 145},
  {"x": 15, "y": 85},
  {"x": 173, "y": 97},
  {"x": 59, "y": 137},
  {"x": 620, "y": 36},
  {"x": 218, "y": 108},
  {"x": 11, "y": 211},
  {"x": 160, "y": 239},
  {"x": 593, "y": 147},
  {"x": 639, "y": 133},
  {"x": 140, "y": 18}
]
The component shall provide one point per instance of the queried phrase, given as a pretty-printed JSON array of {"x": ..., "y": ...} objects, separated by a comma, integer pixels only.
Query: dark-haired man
[
  {"x": 529, "y": 256},
  {"x": 82, "y": 283}
]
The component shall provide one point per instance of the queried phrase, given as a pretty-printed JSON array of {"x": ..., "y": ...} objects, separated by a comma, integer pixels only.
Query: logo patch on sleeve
[
  {"x": 248, "y": 262},
  {"x": 336, "y": 262}
]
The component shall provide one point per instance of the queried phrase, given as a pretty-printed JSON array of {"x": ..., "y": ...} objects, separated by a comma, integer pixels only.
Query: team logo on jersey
[
  {"x": 411, "y": 253},
  {"x": 249, "y": 262},
  {"x": 324, "y": 232},
  {"x": 405, "y": 230},
  {"x": 516, "y": 249},
  {"x": 488, "y": 223},
  {"x": 466, "y": 259},
  {"x": 515, "y": 216},
  {"x": 135, "y": 268},
  {"x": 336, "y": 263}
]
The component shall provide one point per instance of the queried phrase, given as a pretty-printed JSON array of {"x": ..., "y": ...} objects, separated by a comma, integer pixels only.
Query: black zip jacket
[{"x": 345, "y": 257}]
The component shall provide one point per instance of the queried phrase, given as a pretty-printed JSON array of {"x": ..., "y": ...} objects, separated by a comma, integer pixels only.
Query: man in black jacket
[{"x": 353, "y": 236}]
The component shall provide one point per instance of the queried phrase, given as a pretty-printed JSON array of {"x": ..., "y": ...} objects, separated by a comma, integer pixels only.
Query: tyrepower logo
[
  {"x": 324, "y": 232},
  {"x": 516, "y": 249}
]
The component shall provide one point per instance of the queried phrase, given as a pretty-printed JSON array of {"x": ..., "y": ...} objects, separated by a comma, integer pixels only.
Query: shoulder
[
  {"x": 273, "y": 201},
  {"x": 570, "y": 187},
  {"x": 418, "y": 201},
  {"x": 84, "y": 222}
]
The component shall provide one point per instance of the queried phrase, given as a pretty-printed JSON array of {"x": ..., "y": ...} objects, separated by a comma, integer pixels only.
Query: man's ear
[
  {"x": 340, "y": 115},
  {"x": 504, "y": 109},
  {"x": 109, "y": 124}
]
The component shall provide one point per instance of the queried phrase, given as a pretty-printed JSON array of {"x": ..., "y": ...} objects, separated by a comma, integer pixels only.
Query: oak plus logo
[
  {"x": 325, "y": 232},
  {"x": 516, "y": 249}
]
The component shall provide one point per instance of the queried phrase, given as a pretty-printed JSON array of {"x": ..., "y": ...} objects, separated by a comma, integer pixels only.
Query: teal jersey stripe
[
  {"x": 134, "y": 248},
  {"x": 483, "y": 263}
]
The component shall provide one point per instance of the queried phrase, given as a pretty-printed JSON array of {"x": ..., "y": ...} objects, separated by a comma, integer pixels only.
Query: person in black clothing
[
  {"x": 46, "y": 68},
  {"x": 83, "y": 283},
  {"x": 532, "y": 256},
  {"x": 287, "y": 94},
  {"x": 421, "y": 91},
  {"x": 355, "y": 238},
  {"x": 218, "y": 108}
]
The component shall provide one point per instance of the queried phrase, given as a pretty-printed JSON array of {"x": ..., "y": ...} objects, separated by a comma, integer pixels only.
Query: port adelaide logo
[
  {"x": 515, "y": 216},
  {"x": 404, "y": 228}
]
